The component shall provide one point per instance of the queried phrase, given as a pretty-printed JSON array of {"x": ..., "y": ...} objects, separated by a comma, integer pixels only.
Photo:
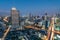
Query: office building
[{"x": 15, "y": 18}]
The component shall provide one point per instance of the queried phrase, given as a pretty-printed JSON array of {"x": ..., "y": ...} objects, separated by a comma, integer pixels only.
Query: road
[
  {"x": 52, "y": 27},
  {"x": 51, "y": 30},
  {"x": 32, "y": 27},
  {"x": 3, "y": 38}
]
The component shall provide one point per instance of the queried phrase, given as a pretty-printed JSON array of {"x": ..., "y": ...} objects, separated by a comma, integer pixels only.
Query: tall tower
[{"x": 15, "y": 18}]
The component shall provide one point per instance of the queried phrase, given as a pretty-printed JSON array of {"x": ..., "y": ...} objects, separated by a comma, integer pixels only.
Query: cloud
[{"x": 4, "y": 12}]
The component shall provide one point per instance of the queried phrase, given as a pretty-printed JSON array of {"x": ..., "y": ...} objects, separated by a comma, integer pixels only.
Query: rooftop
[{"x": 13, "y": 8}]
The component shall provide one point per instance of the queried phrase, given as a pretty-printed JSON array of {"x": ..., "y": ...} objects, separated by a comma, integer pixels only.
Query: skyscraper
[{"x": 15, "y": 18}]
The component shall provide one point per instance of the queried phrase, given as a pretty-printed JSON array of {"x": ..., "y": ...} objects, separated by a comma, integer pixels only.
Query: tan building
[{"x": 15, "y": 18}]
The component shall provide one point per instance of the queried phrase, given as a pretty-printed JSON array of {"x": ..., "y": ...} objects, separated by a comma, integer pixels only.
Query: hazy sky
[{"x": 35, "y": 7}]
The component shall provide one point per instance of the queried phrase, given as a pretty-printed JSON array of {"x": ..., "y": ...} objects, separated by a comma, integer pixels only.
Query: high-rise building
[{"x": 15, "y": 18}]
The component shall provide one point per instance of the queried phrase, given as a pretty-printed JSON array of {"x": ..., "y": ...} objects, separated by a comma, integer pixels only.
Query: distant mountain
[{"x": 4, "y": 13}]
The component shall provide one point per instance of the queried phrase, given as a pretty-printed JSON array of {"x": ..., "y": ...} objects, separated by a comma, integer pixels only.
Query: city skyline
[
  {"x": 29, "y": 19},
  {"x": 25, "y": 7}
]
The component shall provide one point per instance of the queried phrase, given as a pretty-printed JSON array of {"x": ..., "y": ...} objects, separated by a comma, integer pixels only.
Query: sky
[{"x": 35, "y": 7}]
